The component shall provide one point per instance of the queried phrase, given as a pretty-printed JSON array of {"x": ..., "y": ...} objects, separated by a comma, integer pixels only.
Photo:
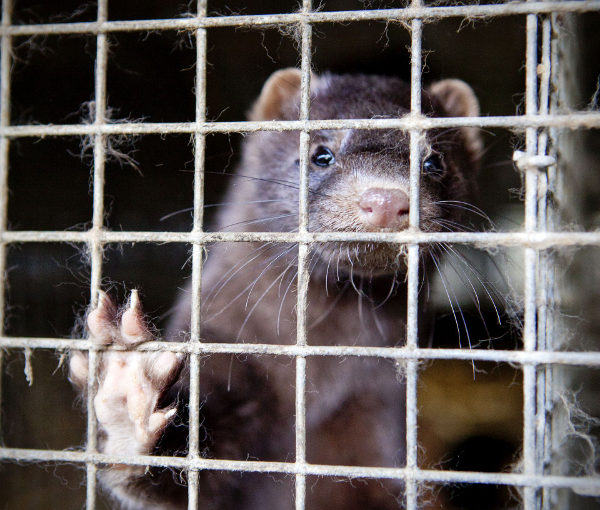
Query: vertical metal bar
[
  {"x": 542, "y": 143},
  {"x": 531, "y": 259},
  {"x": 306, "y": 49},
  {"x": 300, "y": 425},
  {"x": 413, "y": 265},
  {"x": 550, "y": 495},
  {"x": 95, "y": 244},
  {"x": 303, "y": 249},
  {"x": 545, "y": 276},
  {"x": 197, "y": 249},
  {"x": 5, "y": 65}
]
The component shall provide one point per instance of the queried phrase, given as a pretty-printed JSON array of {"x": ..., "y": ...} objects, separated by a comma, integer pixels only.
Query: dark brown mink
[{"x": 355, "y": 415}]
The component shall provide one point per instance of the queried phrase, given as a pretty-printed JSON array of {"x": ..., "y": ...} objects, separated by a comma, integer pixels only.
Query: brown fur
[{"x": 355, "y": 407}]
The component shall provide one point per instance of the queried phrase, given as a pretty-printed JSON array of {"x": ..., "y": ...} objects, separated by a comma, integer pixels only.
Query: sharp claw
[
  {"x": 100, "y": 320},
  {"x": 159, "y": 420},
  {"x": 134, "y": 301},
  {"x": 133, "y": 327},
  {"x": 106, "y": 304}
]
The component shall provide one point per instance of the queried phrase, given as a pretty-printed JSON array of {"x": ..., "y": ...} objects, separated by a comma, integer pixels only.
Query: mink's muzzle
[
  {"x": 360, "y": 258},
  {"x": 384, "y": 208}
]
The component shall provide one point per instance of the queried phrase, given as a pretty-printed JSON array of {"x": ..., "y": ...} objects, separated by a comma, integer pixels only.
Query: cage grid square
[{"x": 540, "y": 122}]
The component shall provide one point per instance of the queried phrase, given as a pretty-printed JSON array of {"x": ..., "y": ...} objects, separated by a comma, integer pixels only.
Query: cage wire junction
[{"x": 540, "y": 162}]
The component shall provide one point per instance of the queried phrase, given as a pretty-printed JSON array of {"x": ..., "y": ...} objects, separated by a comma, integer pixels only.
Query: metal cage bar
[
  {"x": 530, "y": 267},
  {"x": 94, "y": 245},
  {"x": 412, "y": 303},
  {"x": 5, "y": 65},
  {"x": 426, "y": 13},
  {"x": 539, "y": 357},
  {"x": 555, "y": 183},
  {"x": 545, "y": 275},
  {"x": 303, "y": 250},
  {"x": 574, "y": 120},
  {"x": 539, "y": 240},
  {"x": 197, "y": 249},
  {"x": 583, "y": 483}
]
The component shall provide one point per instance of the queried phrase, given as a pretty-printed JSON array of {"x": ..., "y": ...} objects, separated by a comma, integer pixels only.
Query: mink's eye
[
  {"x": 323, "y": 156},
  {"x": 433, "y": 165}
]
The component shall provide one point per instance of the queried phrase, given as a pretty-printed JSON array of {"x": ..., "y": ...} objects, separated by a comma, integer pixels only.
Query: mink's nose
[{"x": 384, "y": 208}]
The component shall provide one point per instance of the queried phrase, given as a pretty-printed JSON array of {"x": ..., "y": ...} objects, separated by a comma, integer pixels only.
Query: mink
[{"x": 355, "y": 408}]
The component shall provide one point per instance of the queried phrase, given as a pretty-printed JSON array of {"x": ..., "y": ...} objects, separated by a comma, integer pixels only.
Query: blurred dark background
[{"x": 150, "y": 77}]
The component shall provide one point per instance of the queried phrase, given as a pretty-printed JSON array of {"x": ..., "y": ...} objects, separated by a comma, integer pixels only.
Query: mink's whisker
[
  {"x": 259, "y": 220},
  {"x": 330, "y": 308},
  {"x": 226, "y": 278},
  {"x": 219, "y": 204},
  {"x": 249, "y": 314},
  {"x": 484, "y": 282},
  {"x": 289, "y": 285},
  {"x": 390, "y": 292},
  {"x": 459, "y": 204},
  {"x": 281, "y": 182},
  {"x": 462, "y": 276},
  {"x": 448, "y": 291},
  {"x": 241, "y": 293},
  {"x": 282, "y": 254}
]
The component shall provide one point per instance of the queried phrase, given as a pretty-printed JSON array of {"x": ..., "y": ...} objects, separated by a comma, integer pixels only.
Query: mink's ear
[
  {"x": 281, "y": 86},
  {"x": 459, "y": 100}
]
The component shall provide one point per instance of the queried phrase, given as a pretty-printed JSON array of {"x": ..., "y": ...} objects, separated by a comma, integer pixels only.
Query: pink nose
[{"x": 384, "y": 208}]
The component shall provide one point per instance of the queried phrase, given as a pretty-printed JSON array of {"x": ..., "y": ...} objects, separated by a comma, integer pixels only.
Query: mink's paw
[{"x": 130, "y": 383}]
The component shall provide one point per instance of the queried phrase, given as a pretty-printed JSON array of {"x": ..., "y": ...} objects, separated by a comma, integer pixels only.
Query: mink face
[{"x": 359, "y": 179}]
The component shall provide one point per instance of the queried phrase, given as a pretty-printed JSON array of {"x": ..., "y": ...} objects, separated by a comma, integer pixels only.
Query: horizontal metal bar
[
  {"x": 267, "y": 20},
  {"x": 573, "y": 120},
  {"x": 537, "y": 240},
  {"x": 591, "y": 359},
  {"x": 582, "y": 484}
]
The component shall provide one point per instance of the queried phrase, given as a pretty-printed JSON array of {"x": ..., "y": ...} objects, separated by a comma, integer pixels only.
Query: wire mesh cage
[{"x": 114, "y": 116}]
